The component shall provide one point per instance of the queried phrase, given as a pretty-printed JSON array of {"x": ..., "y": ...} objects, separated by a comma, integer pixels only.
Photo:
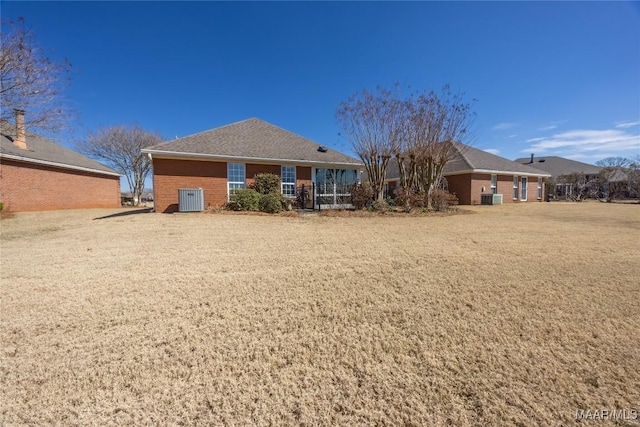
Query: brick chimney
[{"x": 21, "y": 134}]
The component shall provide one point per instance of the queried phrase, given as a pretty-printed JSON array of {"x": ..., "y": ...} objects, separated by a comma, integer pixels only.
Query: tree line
[
  {"x": 619, "y": 178},
  {"x": 418, "y": 132}
]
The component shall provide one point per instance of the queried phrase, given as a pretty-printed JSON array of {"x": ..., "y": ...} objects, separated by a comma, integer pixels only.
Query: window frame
[
  {"x": 516, "y": 187},
  {"x": 539, "y": 188},
  {"x": 290, "y": 185},
  {"x": 524, "y": 191},
  {"x": 494, "y": 183},
  {"x": 233, "y": 185}
]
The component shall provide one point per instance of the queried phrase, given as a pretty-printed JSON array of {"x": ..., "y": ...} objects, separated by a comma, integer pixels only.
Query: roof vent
[
  {"x": 322, "y": 149},
  {"x": 541, "y": 160}
]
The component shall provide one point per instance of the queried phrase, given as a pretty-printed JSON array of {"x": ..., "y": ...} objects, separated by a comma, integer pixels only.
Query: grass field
[{"x": 511, "y": 315}]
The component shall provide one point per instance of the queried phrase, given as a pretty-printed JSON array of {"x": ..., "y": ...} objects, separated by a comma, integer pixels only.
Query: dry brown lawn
[{"x": 513, "y": 315}]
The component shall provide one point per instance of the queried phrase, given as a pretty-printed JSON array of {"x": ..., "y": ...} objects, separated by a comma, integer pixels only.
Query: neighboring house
[
  {"x": 471, "y": 173},
  {"x": 558, "y": 167},
  {"x": 228, "y": 158},
  {"x": 38, "y": 174}
]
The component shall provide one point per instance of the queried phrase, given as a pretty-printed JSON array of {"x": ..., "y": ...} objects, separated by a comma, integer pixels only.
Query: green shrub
[
  {"x": 266, "y": 183},
  {"x": 1, "y": 206},
  {"x": 272, "y": 203},
  {"x": 244, "y": 200}
]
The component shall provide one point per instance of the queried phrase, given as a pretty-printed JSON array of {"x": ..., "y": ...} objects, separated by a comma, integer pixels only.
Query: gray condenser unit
[
  {"x": 491, "y": 199},
  {"x": 190, "y": 200}
]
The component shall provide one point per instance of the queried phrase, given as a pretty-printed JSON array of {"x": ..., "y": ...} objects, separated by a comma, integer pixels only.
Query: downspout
[{"x": 154, "y": 182}]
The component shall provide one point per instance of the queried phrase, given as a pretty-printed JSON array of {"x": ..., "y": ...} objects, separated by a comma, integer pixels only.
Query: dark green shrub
[
  {"x": 361, "y": 196},
  {"x": 271, "y": 203},
  {"x": 1, "y": 206},
  {"x": 244, "y": 200},
  {"x": 266, "y": 183}
]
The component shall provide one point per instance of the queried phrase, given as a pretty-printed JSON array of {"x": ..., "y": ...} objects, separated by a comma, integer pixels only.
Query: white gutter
[
  {"x": 57, "y": 165},
  {"x": 496, "y": 172},
  {"x": 197, "y": 156},
  {"x": 484, "y": 171}
]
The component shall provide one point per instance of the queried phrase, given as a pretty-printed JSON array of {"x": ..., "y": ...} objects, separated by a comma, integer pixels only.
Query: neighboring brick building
[
  {"x": 472, "y": 172},
  {"x": 38, "y": 174},
  {"x": 559, "y": 167},
  {"x": 227, "y": 158}
]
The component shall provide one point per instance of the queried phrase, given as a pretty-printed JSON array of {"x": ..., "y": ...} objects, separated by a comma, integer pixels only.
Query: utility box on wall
[{"x": 190, "y": 200}]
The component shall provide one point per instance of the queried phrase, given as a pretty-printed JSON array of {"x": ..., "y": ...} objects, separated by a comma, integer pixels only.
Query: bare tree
[
  {"x": 29, "y": 81},
  {"x": 433, "y": 124},
  {"x": 578, "y": 186},
  {"x": 617, "y": 176},
  {"x": 120, "y": 147},
  {"x": 634, "y": 177},
  {"x": 373, "y": 123}
]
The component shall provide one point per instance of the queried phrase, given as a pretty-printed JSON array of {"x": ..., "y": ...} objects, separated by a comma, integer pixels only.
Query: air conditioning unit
[
  {"x": 491, "y": 199},
  {"x": 190, "y": 200}
]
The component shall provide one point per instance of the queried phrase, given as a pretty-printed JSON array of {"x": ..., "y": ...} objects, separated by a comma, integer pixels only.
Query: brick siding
[
  {"x": 31, "y": 187},
  {"x": 169, "y": 175},
  {"x": 470, "y": 187}
]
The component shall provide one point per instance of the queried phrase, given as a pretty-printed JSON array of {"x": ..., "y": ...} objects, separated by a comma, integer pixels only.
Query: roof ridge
[
  {"x": 461, "y": 152},
  {"x": 209, "y": 130}
]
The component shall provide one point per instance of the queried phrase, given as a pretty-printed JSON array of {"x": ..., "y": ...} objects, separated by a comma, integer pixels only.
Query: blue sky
[{"x": 551, "y": 78}]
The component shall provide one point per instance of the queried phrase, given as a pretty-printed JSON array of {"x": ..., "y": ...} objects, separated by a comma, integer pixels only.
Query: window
[
  {"x": 539, "y": 188},
  {"x": 524, "y": 188},
  {"x": 235, "y": 177},
  {"x": 515, "y": 188},
  {"x": 288, "y": 177},
  {"x": 494, "y": 184}
]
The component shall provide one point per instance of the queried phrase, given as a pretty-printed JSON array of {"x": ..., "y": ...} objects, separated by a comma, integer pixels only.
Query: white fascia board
[
  {"x": 240, "y": 159},
  {"x": 496, "y": 172},
  {"x": 57, "y": 165}
]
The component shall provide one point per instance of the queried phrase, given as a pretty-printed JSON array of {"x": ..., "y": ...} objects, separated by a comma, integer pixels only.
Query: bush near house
[
  {"x": 263, "y": 195},
  {"x": 272, "y": 203},
  {"x": 244, "y": 200},
  {"x": 441, "y": 200},
  {"x": 361, "y": 195},
  {"x": 266, "y": 183}
]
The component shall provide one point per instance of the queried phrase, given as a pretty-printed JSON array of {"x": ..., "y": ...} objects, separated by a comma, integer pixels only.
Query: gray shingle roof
[
  {"x": 557, "y": 166},
  {"x": 468, "y": 159},
  {"x": 44, "y": 151},
  {"x": 251, "y": 139}
]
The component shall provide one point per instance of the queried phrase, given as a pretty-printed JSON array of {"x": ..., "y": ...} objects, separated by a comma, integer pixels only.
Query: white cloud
[
  {"x": 553, "y": 125},
  {"x": 492, "y": 150},
  {"x": 535, "y": 139},
  {"x": 627, "y": 124},
  {"x": 586, "y": 142},
  {"x": 512, "y": 136},
  {"x": 504, "y": 126}
]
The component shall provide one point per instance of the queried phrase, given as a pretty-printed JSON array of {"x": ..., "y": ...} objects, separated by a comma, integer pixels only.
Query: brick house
[
  {"x": 227, "y": 158},
  {"x": 559, "y": 167},
  {"x": 38, "y": 174},
  {"x": 471, "y": 173}
]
